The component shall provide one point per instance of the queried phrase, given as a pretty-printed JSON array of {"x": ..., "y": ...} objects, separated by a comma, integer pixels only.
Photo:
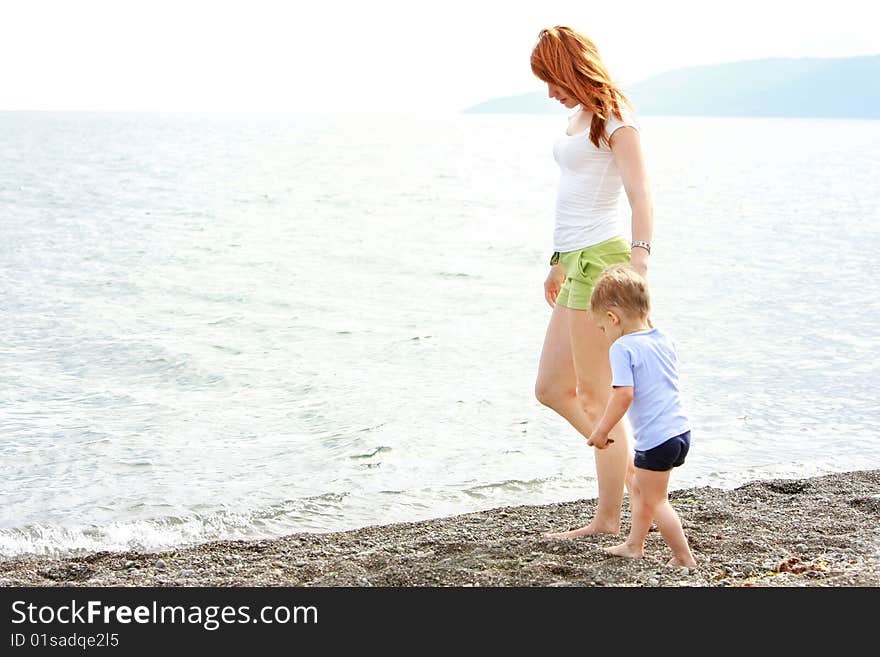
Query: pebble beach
[{"x": 821, "y": 531}]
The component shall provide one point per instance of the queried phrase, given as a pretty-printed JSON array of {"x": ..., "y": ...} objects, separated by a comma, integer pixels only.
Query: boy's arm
[{"x": 618, "y": 402}]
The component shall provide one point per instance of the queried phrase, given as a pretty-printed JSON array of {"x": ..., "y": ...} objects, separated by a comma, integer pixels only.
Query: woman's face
[{"x": 561, "y": 94}]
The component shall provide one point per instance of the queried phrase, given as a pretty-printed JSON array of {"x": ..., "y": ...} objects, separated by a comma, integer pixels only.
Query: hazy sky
[{"x": 376, "y": 55}]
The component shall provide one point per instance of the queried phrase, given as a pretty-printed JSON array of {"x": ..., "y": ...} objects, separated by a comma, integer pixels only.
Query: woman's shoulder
[{"x": 627, "y": 118}]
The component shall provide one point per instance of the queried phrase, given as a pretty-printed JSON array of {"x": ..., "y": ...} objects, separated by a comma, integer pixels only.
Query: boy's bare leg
[
  {"x": 652, "y": 501},
  {"x": 669, "y": 525},
  {"x": 630, "y": 473},
  {"x": 643, "y": 500}
]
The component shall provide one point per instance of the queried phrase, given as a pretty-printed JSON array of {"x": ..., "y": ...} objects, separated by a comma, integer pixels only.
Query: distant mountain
[
  {"x": 841, "y": 87},
  {"x": 533, "y": 103}
]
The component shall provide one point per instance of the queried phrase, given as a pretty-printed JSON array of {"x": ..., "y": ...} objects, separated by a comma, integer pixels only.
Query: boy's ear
[{"x": 615, "y": 319}]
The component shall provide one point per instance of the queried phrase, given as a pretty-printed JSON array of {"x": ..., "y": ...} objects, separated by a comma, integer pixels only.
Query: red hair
[{"x": 569, "y": 59}]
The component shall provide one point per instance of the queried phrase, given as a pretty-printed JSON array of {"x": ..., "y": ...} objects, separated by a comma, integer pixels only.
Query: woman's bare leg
[
  {"x": 574, "y": 379},
  {"x": 556, "y": 384}
]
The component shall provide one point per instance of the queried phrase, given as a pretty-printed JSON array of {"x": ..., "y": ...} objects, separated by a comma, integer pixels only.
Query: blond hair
[
  {"x": 569, "y": 59},
  {"x": 621, "y": 286}
]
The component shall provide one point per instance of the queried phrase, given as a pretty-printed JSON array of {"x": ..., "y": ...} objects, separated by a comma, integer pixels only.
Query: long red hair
[{"x": 569, "y": 59}]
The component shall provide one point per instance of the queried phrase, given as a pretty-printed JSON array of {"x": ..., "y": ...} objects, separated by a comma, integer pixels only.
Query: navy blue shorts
[{"x": 665, "y": 456}]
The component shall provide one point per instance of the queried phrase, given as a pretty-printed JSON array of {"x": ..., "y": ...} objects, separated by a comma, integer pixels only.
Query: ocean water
[{"x": 243, "y": 326}]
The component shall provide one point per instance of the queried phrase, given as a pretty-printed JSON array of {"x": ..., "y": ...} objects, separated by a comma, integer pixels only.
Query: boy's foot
[
  {"x": 625, "y": 550},
  {"x": 586, "y": 530},
  {"x": 681, "y": 563}
]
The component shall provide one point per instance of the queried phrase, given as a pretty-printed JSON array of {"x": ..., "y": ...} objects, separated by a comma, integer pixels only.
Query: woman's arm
[{"x": 627, "y": 150}]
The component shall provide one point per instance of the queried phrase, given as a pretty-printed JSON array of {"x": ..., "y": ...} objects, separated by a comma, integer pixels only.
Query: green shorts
[{"x": 583, "y": 267}]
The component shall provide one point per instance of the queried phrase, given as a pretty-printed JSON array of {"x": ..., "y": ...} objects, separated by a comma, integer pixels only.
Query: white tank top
[{"x": 589, "y": 189}]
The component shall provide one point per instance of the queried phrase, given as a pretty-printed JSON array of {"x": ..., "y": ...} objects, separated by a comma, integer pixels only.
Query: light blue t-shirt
[{"x": 646, "y": 361}]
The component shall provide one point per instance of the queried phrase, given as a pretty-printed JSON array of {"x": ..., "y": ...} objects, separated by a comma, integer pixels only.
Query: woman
[{"x": 599, "y": 154}]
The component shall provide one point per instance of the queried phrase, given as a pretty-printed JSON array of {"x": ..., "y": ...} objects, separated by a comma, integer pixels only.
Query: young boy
[{"x": 644, "y": 381}]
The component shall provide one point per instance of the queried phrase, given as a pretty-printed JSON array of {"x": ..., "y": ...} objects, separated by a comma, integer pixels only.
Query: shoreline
[{"x": 820, "y": 531}]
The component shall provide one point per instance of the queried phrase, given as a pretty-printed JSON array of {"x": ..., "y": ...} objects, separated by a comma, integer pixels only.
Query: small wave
[
  {"x": 155, "y": 534},
  {"x": 227, "y": 350},
  {"x": 378, "y": 450},
  {"x": 457, "y": 274},
  {"x": 227, "y": 319},
  {"x": 372, "y": 428},
  {"x": 507, "y": 486}
]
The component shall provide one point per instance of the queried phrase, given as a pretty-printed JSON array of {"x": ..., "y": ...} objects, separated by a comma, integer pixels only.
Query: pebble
[
  {"x": 160, "y": 564},
  {"x": 129, "y": 564},
  {"x": 229, "y": 558},
  {"x": 653, "y": 581},
  {"x": 278, "y": 564},
  {"x": 299, "y": 564},
  {"x": 187, "y": 573},
  {"x": 230, "y": 569}
]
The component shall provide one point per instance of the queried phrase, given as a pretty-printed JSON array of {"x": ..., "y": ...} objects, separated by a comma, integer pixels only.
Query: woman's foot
[
  {"x": 625, "y": 550},
  {"x": 587, "y": 530},
  {"x": 682, "y": 563}
]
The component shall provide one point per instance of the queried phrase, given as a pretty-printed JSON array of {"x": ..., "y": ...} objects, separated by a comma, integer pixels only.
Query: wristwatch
[
  {"x": 554, "y": 259},
  {"x": 644, "y": 245}
]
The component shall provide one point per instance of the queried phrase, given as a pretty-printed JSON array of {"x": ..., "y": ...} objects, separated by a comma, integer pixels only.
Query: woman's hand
[
  {"x": 553, "y": 284},
  {"x": 639, "y": 260}
]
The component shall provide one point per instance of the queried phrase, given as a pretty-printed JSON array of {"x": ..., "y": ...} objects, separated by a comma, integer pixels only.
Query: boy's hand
[{"x": 599, "y": 441}]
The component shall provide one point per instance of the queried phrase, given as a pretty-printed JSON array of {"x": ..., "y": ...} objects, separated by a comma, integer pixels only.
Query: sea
[{"x": 242, "y": 326}]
